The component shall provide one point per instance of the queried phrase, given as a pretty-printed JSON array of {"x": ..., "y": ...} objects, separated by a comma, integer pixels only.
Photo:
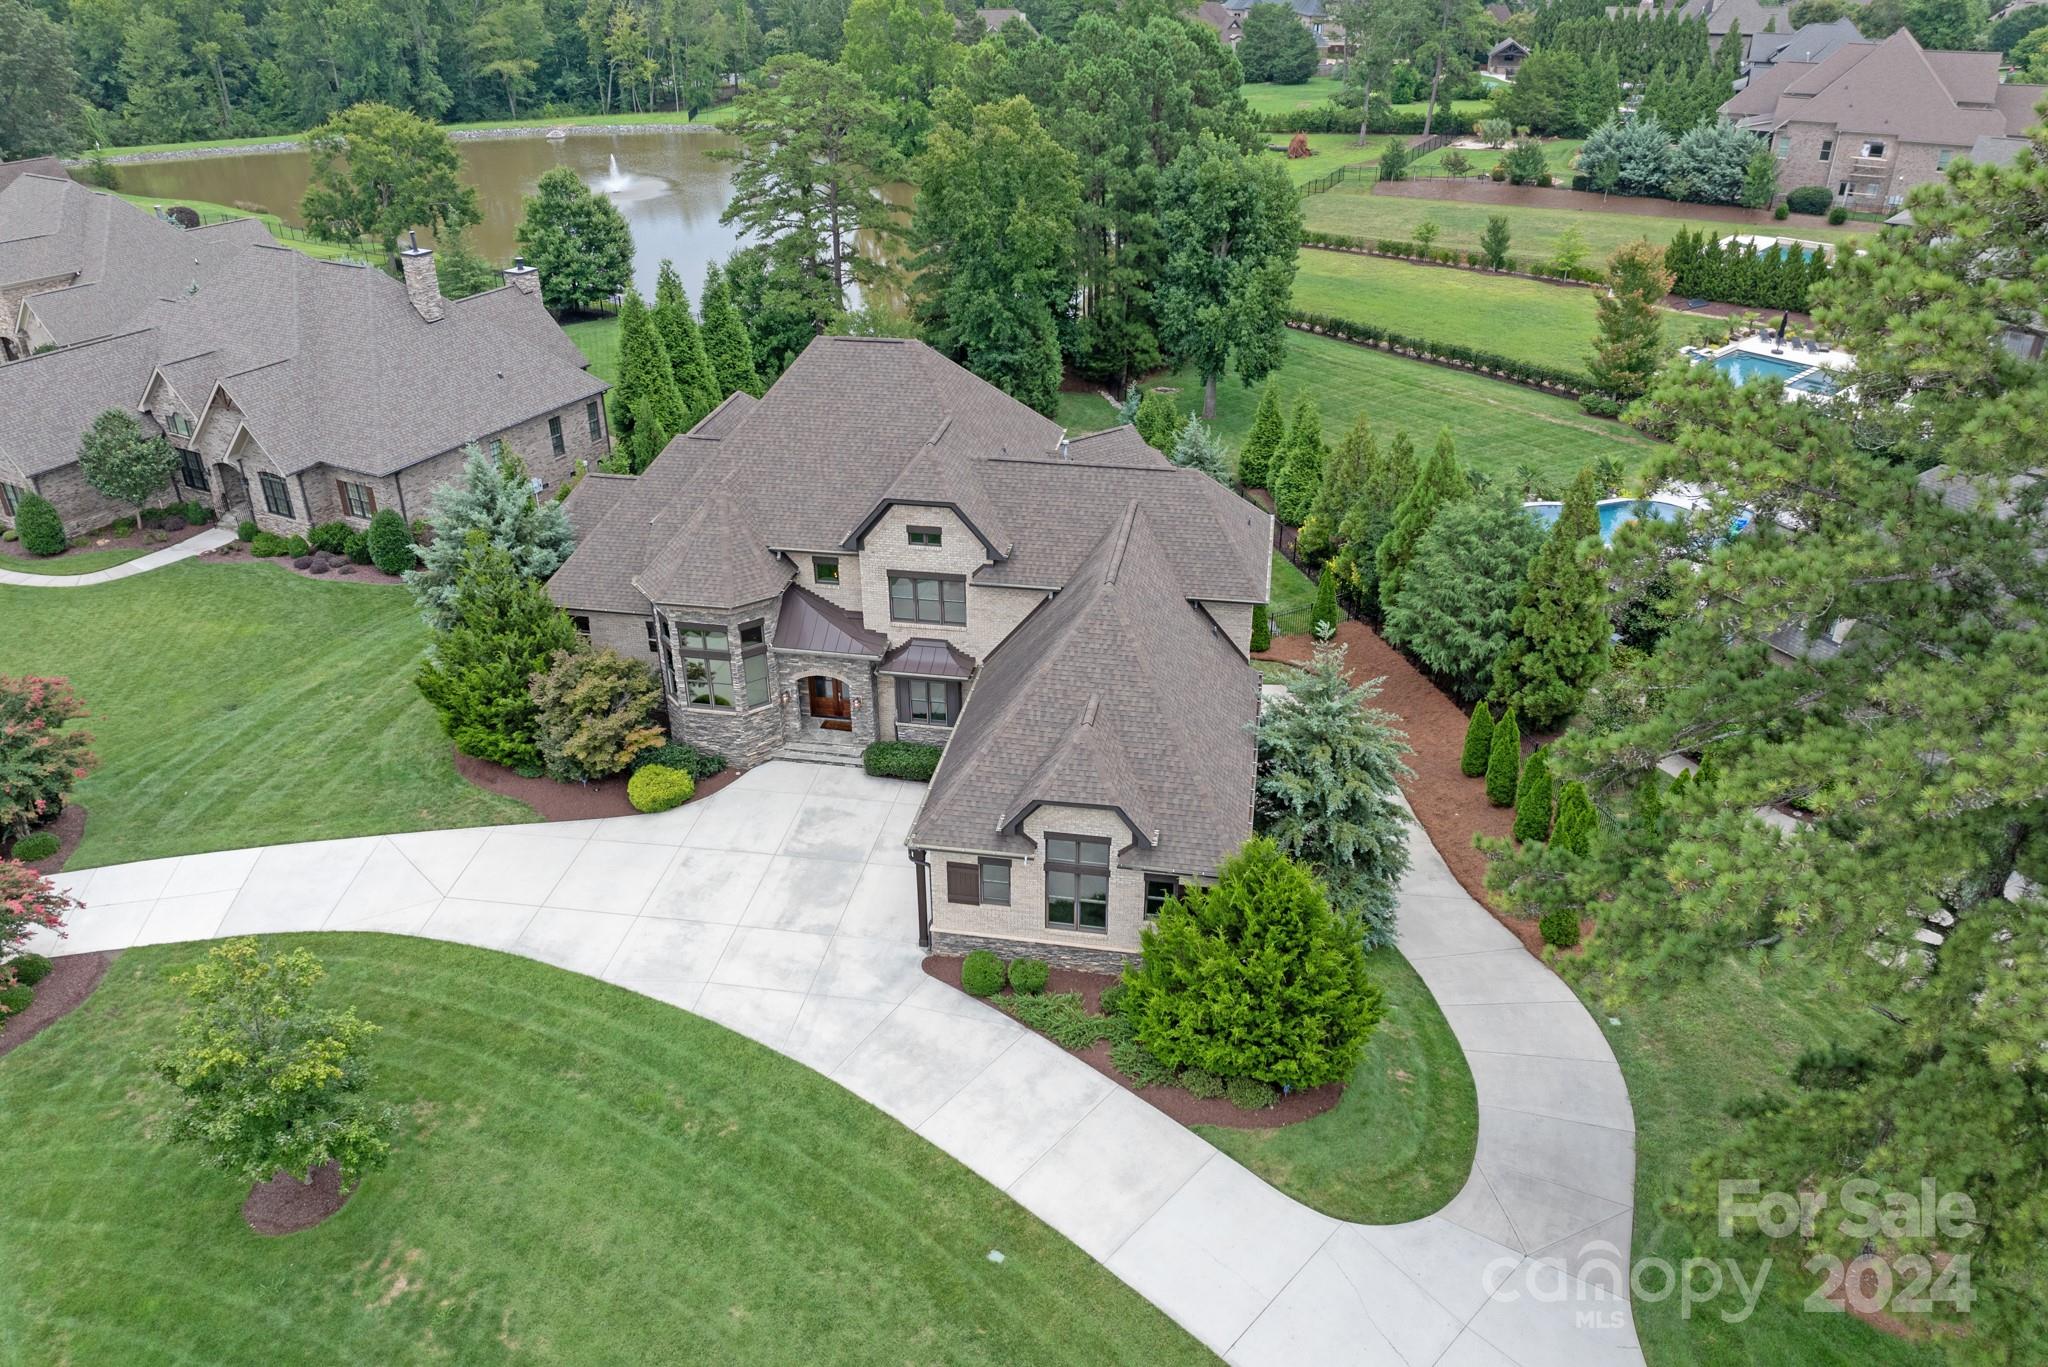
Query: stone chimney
[
  {"x": 523, "y": 277},
  {"x": 422, "y": 285}
]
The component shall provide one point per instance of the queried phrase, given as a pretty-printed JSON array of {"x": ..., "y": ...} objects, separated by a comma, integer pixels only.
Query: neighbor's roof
[
  {"x": 1754, "y": 16},
  {"x": 1807, "y": 43},
  {"x": 1116, "y": 693},
  {"x": 1894, "y": 87}
]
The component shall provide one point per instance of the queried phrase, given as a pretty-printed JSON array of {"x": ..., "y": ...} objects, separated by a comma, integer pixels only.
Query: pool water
[
  {"x": 1613, "y": 512},
  {"x": 1743, "y": 366}
]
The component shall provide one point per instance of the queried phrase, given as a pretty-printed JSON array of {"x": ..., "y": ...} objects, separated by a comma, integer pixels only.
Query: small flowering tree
[
  {"x": 28, "y": 903},
  {"x": 39, "y": 757}
]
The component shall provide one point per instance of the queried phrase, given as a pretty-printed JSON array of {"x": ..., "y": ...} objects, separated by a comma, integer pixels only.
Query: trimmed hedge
[
  {"x": 1402, "y": 249},
  {"x": 698, "y": 764},
  {"x": 1809, "y": 199},
  {"x": 1450, "y": 353},
  {"x": 656, "y": 788},
  {"x": 981, "y": 974},
  {"x": 37, "y": 523},
  {"x": 900, "y": 759},
  {"x": 30, "y": 848},
  {"x": 29, "y": 969}
]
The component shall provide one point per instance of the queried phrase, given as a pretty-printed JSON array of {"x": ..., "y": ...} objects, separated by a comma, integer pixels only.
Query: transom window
[
  {"x": 192, "y": 467},
  {"x": 707, "y": 666},
  {"x": 928, "y": 598},
  {"x": 1157, "y": 889},
  {"x": 356, "y": 499},
  {"x": 277, "y": 495},
  {"x": 986, "y": 882},
  {"x": 924, "y": 536},
  {"x": 928, "y": 702},
  {"x": 1077, "y": 882},
  {"x": 555, "y": 442},
  {"x": 754, "y": 663},
  {"x": 825, "y": 569}
]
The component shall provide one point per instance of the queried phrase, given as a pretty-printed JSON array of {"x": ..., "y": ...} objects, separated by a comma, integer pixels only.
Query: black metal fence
[{"x": 1369, "y": 170}]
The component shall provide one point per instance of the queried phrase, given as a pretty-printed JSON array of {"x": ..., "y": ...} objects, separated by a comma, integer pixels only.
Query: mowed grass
[
  {"x": 1327, "y": 152},
  {"x": 237, "y": 705},
  {"x": 286, "y": 237},
  {"x": 598, "y": 340},
  {"x": 581, "y": 1175},
  {"x": 1292, "y": 599},
  {"x": 1399, "y": 1145},
  {"x": 1269, "y": 97},
  {"x": 1688, "y": 1055},
  {"x": 1543, "y": 324},
  {"x": 716, "y": 114},
  {"x": 1353, "y": 209},
  {"x": 72, "y": 562},
  {"x": 1557, "y": 154},
  {"x": 1497, "y": 426}
]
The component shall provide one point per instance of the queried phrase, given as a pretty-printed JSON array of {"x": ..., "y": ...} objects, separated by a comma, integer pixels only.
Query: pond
[{"x": 666, "y": 183}]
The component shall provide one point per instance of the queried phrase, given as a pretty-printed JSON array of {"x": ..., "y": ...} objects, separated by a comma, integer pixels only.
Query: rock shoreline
[{"x": 457, "y": 135}]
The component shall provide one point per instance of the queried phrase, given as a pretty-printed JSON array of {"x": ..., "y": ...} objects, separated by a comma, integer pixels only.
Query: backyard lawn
[
  {"x": 598, "y": 339},
  {"x": 1498, "y": 427},
  {"x": 1557, "y": 153},
  {"x": 1329, "y": 152},
  {"x": 1293, "y": 598},
  {"x": 581, "y": 1173},
  {"x": 1268, "y": 97},
  {"x": 1399, "y": 1145},
  {"x": 239, "y": 705},
  {"x": 73, "y": 562},
  {"x": 1526, "y": 319}
]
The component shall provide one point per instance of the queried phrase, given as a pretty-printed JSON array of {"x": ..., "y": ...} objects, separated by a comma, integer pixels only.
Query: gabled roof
[
  {"x": 809, "y": 623},
  {"x": 60, "y": 392},
  {"x": 1894, "y": 87},
  {"x": 707, "y": 555},
  {"x": 31, "y": 166},
  {"x": 1116, "y": 693}
]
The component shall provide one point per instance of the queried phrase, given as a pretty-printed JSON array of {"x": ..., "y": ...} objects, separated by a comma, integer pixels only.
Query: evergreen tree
[
  {"x": 1504, "y": 761},
  {"x": 647, "y": 411},
  {"x": 1330, "y": 769},
  {"x": 1158, "y": 420},
  {"x": 37, "y": 523},
  {"x": 1760, "y": 179},
  {"x": 1344, "y": 480},
  {"x": 1455, "y": 608},
  {"x": 1478, "y": 743},
  {"x": 1630, "y": 345},
  {"x": 1494, "y": 241},
  {"x": 726, "y": 343},
  {"x": 495, "y": 499},
  {"x": 1441, "y": 482},
  {"x": 459, "y": 271},
  {"x": 696, "y": 381},
  {"x": 1262, "y": 628},
  {"x": 1325, "y": 617},
  {"x": 578, "y": 241},
  {"x": 1301, "y": 474},
  {"x": 1199, "y": 448},
  {"x": 1533, "y": 798},
  {"x": 1266, "y": 440},
  {"x": 1559, "y": 643},
  {"x": 1576, "y": 820},
  {"x": 1276, "y": 46}
]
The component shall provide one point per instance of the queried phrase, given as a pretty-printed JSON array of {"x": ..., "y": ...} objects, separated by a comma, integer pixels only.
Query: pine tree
[
  {"x": 1325, "y": 613},
  {"x": 1576, "y": 821},
  {"x": 1262, "y": 629},
  {"x": 1504, "y": 761},
  {"x": 1266, "y": 440},
  {"x": 696, "y": 381},
  {"x": 1533, "y": 798},
  {"x": 493, "y": 498},
  {"x": 1561, "y": 629},
  {"x": 1367, "y": 522},
  {"x": 1345, "y": 475},
  {"x": 1301, "y": 475},
  {"x": 1478, "y": 743},
  {"x": 647, "y": 410},
  {"x": 1442, "y": 481},
  {"x": 1197, "y": 448},
  {"x": 726, "y": 343},
  {"x": 1630, "y": 345}
]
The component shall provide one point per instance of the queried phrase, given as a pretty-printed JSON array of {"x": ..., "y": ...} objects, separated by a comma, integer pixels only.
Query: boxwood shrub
[
  {"x": 30, "y": 848},
  {"x": 331, "y": 537},
  {"x": 1029, "y": 976},
  {"x": 41, "y": 530},
  {"x": 1809, "y": 199},
  {"x": 390, "y": 542},
  {"x": 269, "y": 545},
  {"x": 656, "y": 788},
  {"x": 698, "y": 764},
  {"x": 900, "y": 759},
  {"x": 981, "y": 974},
  {"x": 29, "y": 969},
  {"x": 245, "y": 530},
  {"x": 1203, "y": 1086},
  {"x": 14, "y": 1000},
  {"x": 1249, "y": 1094}
]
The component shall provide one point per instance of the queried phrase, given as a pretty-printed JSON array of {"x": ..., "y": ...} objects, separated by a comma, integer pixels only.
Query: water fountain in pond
[{"x": 625, "y": 186}]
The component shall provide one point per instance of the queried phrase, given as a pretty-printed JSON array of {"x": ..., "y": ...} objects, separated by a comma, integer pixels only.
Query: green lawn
[
  {"x": 1557, "y": 153},
  {"x": 1399, "y": 1145},
  {"x": 1329, "y": 151},
  {"x": 1353, "y": 209},
  {"x": 598, "y": 339},
  {"x": 1497, "y": 426},
  {"x": 285, "y": 235},
  {"x": 237, "y": 705},
  {"x": 73, "y": 562},
  {"x": 582, "y": 1175},
  {"x": 1526, "y": 319},
  {"x": 1688, "y": 1055},
  {"x": 1293, "y": 598},
  {"x": 1266, "y": 97},
  {"x": 717, "y": 114}
]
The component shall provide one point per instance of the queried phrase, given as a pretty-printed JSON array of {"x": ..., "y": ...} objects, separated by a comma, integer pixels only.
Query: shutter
[
  {"x": 963, "y": 884},
  {"x": 902, "y": 701},
  {"x": 341, "y": 492},
  {"x": 369, "y": 501}
]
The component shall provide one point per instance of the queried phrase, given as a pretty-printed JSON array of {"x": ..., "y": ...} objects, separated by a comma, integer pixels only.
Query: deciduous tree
[
  {"x": 578, "y": 241},
  {"x": 377, "y": 172},
  {"x": 595, "y": 712},
  {"x": 122, "y": 461},
  {"x": 39, "y": 111},
  {"x": 41, "y": 755}
]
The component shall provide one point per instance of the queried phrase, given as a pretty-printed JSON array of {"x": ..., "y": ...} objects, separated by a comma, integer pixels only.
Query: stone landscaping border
[{"x": 298, "y": 144}]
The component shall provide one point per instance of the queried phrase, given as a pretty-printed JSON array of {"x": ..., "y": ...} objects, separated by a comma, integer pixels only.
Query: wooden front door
[{"x": 828, "y": 698}]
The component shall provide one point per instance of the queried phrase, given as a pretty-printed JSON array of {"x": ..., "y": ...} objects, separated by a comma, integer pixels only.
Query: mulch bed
[
  {"x": 566, "y": 801},
  {"x": 72, "y": 979},
  {"x": 236, "y": 552},
  {"x": 1451, "y": 807},
  {"x": 69, "y": 828},
  {"x": 1187, "y": 1109},
  {"x": 1714, "y": 309},
  {"x": 285, "y": 1205},
  {"x": 134, "y": 541},
  {"x": 1472, "y": 191}
]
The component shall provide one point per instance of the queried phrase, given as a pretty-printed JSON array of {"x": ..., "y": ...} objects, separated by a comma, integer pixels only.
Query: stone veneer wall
[
  {"x": 744, "y": 735},
  {"x": 856, "y": 675},
  {"x": 1023, "y": 921},
  {"x": 1085, "y": 959},
  {"x": 84, "y": 508}
]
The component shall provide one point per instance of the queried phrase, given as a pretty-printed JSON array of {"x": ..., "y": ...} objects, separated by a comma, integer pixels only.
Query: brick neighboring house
[
  {"x": 1872, "y": 120},
  {"x": 1227, "y": 18},
  {"x": 886, "y": 547},
  {"x": 296, "y": 391}
]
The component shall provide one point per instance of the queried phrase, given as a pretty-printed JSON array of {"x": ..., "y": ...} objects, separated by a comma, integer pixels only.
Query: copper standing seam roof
[
  {"x": 927, "y": 659},
  {"x": 808, "y": 623}
]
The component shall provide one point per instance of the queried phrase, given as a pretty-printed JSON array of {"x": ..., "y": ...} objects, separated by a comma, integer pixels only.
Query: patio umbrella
[{"x": 1783, "y": 322}]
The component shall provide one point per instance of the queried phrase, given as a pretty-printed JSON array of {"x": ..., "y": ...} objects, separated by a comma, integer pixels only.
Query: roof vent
[{"x": 1066, "y": 452}]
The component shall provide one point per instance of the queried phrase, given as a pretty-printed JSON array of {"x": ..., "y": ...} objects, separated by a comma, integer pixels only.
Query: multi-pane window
[
  {"x": 1827, "y": 150},
  {"x": 928, "y": 598},
  {"x": 1157, "y": 889},
  {"x": 995, "y": 882},
  {"x": 591, "y": 416},
  {"x": 277, "y": 495},
  {"x": 181, "y": 426},
  {"x": 985, "y": 882},
  {"x": 825, "y": 569},
  {"x": 754, "y": 663},
  {"x": 1076, "y": 882},
  {"x": 653, "y": 642},
  {"x": 192, "y": 467},
  {"x": 928, "y": 702},
  {"x": 356, "y": 499},
  {"x": 924, "y": 536},
  {"x": 555, "y": 442},
  {"x": 10, "y": 498},
  {"x": 707, "y": 666}
]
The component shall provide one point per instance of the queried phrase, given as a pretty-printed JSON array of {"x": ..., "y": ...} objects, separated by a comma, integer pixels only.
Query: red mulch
[
  {"x": 69, "y": 828},
  {"x": 1187, "y": 1109},
  {"x": 566, "y": 801},
  {"x": 1451, "y": 807},
  {"x": 237, "y": 553},
  {"x": 134, "y": 541},
  {"x": 1711, "y": 309},
  {"x": 72, "y": 979},
  {"x": 285, "y": 1205},
  {"x": 1470, "y": 191}
]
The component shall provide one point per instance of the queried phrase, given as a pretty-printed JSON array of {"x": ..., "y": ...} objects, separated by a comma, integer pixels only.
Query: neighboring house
[
  {"x": 1809, "y": 44},
  {"x": 994, "y": 19},
  {"x": 1753, "y": 18},
  {"x": 295, "y": 391},
  {"x": 1873, "y": 120},
  {"x": 1228, "y": 22},
  {"x": 886, "y": 547},
  {"x": 1321, "y": 24},
  {"x": 1506, "y": 58}
]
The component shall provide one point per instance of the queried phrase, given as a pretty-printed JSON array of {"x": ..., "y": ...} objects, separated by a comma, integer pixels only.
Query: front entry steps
[{"x": 820, "y": 752}]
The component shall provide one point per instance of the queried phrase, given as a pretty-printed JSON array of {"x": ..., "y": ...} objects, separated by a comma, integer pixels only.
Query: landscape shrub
[
  {"x": 1559, "y": 927},
  {"x": 1249, "y": 1094},
  {"x": 1504, "y": 762},
  {"x": 29, "y": 969},
  {"x": 657, "y": 788},
  {"x": 698, "y": 764},
  {"x": 357, "y": 548},
  {"x": 1113, "y": 999},
  {"x": 269, "y": 545},
  {"x": 1200, "y": 1085},
  {"x": 1029, "y": 976},
  {"x": 245, "y": 530},
  {"x": 1576, "y": 820},
  {"x": 1140, "y": 1065},
  {"x": 41, "y": 530},
  {"x": 595, "y": 711},
  {"x": 1809, "y": 199},
  {"x": 981, "y": 972},
  {"x": 30, "y": 848},
  {"x": 1471, "y": 358},
  {"x": 331, "y": 537},
  {"x": 1782, "y": 212},
  {"x": 502, "y": 630},
  {"x": 1600, "y": 405},
  {"x": 14, "y": 1000},
  {"x": 40, "y": 755},
  {"x": 390, "y": 542},
  {"x": 121, "y": 527},
  {"x": 1262, "y": 629},
  {"x": 1059, "y": 1016},
  {"x": 1478, "y": 743},
  {"x": 1838, "y": 216},
  {"x": 900, "y": 759},
  {"x": 1533, "y": 799},
  {"x": 298, "y": 545},
  {"x": 1333, "y": 118}
]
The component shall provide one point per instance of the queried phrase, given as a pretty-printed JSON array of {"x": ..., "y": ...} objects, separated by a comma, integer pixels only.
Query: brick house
[
  {"x": 886, "y": 547},
  {"x": 1872, "y": 120},
  {"x": 295, "y": 391}
]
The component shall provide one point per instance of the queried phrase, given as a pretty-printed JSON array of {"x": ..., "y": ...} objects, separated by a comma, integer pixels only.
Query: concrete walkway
[
  {"x": 142, "y": 564},
  {"x": 783, "y": 907}
]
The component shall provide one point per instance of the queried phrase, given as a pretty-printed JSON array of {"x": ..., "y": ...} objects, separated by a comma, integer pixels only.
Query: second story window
[
  {"x": 932, "y": 598},
  {"x": 1873, "y": 149},
  {"x": 825, "y": 569},
  {"x": 1827, "y": 150},
  {"x": 193, "y": 468},
  {"x": 555, "y": 442},
  {"x": 924, "y": 536},
  {"x": 1077, "y": 882},
  {"x": 590, "y": 415}
]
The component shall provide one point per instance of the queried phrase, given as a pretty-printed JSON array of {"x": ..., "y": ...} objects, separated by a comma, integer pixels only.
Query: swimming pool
[
  {"x": 1743, "y": 366},
  {"x": 1613, "y": 512}
]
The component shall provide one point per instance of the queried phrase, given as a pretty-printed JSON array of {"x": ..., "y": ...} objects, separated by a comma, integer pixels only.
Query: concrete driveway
[{"x": 784, "y": 908}]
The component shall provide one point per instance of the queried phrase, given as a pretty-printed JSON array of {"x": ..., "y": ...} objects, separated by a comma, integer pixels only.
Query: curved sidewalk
[
  {"x": 142, "y": 564},
  {"x": 783, "y": 907}
]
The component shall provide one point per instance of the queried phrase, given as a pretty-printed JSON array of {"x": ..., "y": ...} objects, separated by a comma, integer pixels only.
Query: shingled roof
[
  {"x": 1116, "y": 693},
  {"x": 1895, "y": 87}
]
